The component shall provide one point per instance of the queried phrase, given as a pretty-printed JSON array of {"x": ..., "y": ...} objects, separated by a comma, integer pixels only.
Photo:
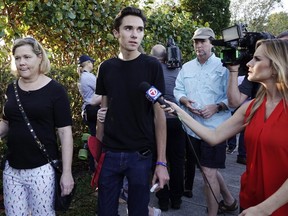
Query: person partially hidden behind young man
[{"x": 176, "y": 140}]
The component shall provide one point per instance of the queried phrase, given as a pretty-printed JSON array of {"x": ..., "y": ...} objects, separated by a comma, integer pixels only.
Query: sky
[
  {"x": 285, "y": 7},
  {"x": 284, "y": 3}
]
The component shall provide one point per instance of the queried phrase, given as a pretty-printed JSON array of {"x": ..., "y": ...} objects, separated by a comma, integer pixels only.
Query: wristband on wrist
[
  {"x": 161, "y": 163},
  {"x": 233, "y": 71}
]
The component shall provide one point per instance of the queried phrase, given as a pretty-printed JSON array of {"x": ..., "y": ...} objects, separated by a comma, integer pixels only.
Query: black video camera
[
  {"x": 173, "y": 55},
  {"x": 239, "y": 45}
]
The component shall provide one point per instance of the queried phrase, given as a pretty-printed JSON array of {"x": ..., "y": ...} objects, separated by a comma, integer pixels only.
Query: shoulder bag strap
[{"x": 38, "y": 142}]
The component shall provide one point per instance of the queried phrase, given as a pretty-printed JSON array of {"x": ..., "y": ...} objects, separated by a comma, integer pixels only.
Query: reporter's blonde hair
[
  {"x": 37, "y": 49},
  {"x": 277, "y": 52}
]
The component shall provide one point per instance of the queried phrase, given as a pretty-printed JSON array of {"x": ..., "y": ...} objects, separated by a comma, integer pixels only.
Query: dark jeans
[
  {"x": 175, "y": 152},
  {"x": 137, "y": 169},
  {"x": 241, "y": 146}
]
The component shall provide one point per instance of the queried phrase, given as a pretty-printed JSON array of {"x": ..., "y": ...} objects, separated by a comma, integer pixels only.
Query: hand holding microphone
[
  {"x": 154, "y": 95},
  {"x": 161, "y": 176}
]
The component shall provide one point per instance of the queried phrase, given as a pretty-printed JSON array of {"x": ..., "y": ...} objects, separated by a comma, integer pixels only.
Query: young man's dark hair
[{"x": 128, "y": 11}]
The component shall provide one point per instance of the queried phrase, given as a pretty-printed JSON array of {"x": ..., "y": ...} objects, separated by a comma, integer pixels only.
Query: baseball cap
[
  {"x": 203, "y": 33},
  {"x": 84, "y": 58}
]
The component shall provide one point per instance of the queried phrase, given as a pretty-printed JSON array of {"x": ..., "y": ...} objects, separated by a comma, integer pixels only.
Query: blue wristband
[{"x": 161, "y": 163}]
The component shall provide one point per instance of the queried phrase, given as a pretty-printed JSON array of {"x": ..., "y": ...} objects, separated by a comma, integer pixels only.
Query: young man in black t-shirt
[{"x": 133, "y": 125}]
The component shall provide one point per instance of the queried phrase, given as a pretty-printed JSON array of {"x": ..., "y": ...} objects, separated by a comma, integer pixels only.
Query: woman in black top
[{"x": 28, "y": 178}]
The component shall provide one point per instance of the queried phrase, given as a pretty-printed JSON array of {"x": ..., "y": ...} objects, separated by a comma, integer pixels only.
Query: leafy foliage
[
  {"x": 166, "y": 21},
  {"x": 214, "y": 12},
  {"x": 65, "y": 28},
  {"x": 277, "y": 23},
  {"x": 68, "y": 29},
  {"x": 252, "y": 13}
]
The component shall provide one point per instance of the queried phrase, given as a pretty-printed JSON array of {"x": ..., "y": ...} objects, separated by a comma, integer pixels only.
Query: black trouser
[
  {"x": 190, "y": 165},
  {"x": 175, "y": 152},
  {"x": 90, "y": 119}
]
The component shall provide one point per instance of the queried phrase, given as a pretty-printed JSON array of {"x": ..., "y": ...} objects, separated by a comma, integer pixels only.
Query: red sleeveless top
[{"x": 266, "y": 143}]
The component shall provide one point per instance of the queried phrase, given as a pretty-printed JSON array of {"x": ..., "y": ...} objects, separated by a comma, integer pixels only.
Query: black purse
[{"x": 60, "y": 203}]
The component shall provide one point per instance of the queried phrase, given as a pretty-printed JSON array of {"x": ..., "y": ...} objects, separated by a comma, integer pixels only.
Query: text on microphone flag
[{"x": 153, "y": 94}]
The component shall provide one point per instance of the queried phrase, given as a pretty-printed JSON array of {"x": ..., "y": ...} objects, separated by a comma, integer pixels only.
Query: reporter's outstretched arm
[{"x": 227, "y": 129}]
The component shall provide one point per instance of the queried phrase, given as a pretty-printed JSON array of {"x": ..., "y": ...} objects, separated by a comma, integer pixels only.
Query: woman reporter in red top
[{"x": 264, "y": 184}]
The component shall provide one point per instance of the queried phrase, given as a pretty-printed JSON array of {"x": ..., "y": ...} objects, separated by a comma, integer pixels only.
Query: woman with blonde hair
[
  {"x": 28, "y": 177},
  {"x": 264, "y": 184}
]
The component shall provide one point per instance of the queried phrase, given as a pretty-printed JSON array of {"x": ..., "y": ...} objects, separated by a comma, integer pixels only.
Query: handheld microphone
[{"x": 153, "y": 94}]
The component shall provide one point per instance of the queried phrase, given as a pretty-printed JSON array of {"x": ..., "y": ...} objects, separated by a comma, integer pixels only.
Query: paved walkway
[{"x": 196, "y": 206}]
